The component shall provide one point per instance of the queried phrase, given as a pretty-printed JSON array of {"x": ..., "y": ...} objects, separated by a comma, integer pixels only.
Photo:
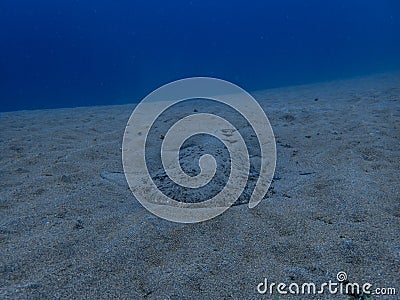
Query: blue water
[{"x": 78, "y": 53}]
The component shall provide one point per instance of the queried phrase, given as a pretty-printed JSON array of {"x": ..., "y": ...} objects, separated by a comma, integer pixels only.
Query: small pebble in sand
[{"x": 78, "y": 224}]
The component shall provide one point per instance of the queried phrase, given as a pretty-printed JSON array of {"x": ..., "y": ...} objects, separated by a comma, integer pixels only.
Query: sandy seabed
[{"x": 71, "y": 229}]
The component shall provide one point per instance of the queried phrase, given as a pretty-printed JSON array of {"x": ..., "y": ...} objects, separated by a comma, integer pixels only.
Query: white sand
[{"x": 70, "y": 227}]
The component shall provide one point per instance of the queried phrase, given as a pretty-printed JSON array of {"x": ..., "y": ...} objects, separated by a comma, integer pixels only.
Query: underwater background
[{"x": 77, "y": 53}]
